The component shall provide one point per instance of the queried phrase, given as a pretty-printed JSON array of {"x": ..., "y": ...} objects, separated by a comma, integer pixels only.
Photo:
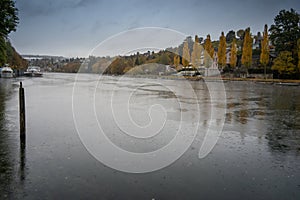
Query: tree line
[{"x": 283, "y": 36}]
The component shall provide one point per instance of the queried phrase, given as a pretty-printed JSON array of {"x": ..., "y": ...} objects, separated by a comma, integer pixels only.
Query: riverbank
[
  {"x": 258, "y": 80},
  {"x": 216, "y": 78}
]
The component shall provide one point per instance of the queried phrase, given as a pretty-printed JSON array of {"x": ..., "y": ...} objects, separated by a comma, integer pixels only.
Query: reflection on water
[
  {"x": 278, "y": 107},
  {"x": 6, "y": 155},
  {"x": 256, "y": 157},
  {"x": 283, "y": 134},
  {"x": 12, "y": 164},
  {"x": 22, "y": 160}
]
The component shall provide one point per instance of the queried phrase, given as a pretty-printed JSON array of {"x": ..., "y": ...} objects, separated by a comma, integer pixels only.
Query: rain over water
[{"x": 256, "y": 156}]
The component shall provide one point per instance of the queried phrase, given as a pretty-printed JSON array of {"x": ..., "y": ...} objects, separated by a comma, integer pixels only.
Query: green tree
[
  {"x": 233, "y": 57},
  {"x": 284, "y": 63},
  {"x": 240, "y": 33},
  {"x": 186, "y": 54},
  {"x": 3, "y": 56},
  {"x": 137, "y": 60},
  {"x": 222, "y": 51},
  {"x": 240, "y": 38},
  {"x": 264, "y": 55},
  {"x": 285, "y": 31},
  {"x": 8, "y": 23},
  {"x": 8, "y": 17},
  {"x": 247, "y": 49},
  {"x": 230, "y": 36}
]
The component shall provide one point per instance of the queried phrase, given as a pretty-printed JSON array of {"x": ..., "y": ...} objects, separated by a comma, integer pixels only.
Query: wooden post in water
[{"x": 22, "y": 113}]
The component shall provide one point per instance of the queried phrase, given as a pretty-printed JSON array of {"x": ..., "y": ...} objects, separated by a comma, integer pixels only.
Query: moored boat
[
  {"x": 7, "y": 72},
  {"x": 33, "y": 71}
]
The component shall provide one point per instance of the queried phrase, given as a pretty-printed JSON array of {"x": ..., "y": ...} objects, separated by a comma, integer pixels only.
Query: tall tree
[
  {"x": 137, "y": 60},
  {"x": 8, "y": 17},
  {"x": 264, "y": 55},
  {"x": 208, "y": 46},
  {"x": 222, "y": 51},
  {"x": 186, "y": 54},
  {"x": 285, "y": 31},
  {"x": 247, "y": 49},
  {"x": 196, "y": 54},
  {"x": 8, "y": 23},
  {"x": 190, "y": 42},
  {"x": 196, "y": 39},
  {"x": 208, "y": 53},
  {"x": 233, "y": 57},
  {"x": 176, "y": 60},
  {"x": 240, "y": 39}
]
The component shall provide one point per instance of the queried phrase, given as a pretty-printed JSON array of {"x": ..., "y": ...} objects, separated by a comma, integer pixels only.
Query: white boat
[
  {"x": 33, "y": 71},
  {"x": 7, "y": 72}
]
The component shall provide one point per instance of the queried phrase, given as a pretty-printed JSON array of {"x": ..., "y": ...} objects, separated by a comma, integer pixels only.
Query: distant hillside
[{"x": 38, "y": 57}]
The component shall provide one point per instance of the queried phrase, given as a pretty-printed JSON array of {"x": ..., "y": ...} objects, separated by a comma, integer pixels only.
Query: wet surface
[{"x": 256, "y": 157}]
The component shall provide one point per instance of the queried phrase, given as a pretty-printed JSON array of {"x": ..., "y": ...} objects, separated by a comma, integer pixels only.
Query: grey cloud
[
  {"x": 33, "y": 8},
  {"x": 84, "y": 3}
]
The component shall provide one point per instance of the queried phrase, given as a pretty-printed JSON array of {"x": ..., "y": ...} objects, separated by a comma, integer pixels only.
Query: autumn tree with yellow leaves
[
  {"x": 208, "y": 46},
  {"x": 233, "y": 57},
  {"x": 264, "y": 55},
  {"x": 247, "y": 49},
  {"x": 209, "y": 52},
  {"x": 196, "y": 54},
  {"x": 186, "y": 54},
  {"x": 176, "y": 60},
  {"x": 222, "y": 51}
]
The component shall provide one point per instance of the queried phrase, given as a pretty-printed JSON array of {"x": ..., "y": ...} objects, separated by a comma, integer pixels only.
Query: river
[{"x": 256, "y": 155}]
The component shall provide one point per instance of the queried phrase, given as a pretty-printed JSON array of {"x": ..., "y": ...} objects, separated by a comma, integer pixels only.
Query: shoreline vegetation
[
  {"x": 261, "y": 80},
  {"x": 213, "y": 78}
]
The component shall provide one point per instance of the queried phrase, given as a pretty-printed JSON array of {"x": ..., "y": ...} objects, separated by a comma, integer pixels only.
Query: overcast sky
[{"x": 74, "y": 27}]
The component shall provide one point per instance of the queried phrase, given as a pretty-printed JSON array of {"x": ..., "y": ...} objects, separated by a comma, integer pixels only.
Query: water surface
[{"x": 256, "y": 157}]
